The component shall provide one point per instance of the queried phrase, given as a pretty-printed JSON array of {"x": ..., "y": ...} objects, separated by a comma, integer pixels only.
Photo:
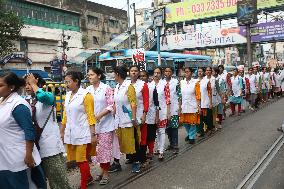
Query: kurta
[{"x": 190, "y": 95}]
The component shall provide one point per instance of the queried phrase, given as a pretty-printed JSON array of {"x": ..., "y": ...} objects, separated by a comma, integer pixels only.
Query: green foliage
[{"x": 10, "y": 27}]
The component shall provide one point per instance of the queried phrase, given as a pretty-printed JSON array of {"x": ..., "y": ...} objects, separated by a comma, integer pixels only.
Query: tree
[{"x": 10, "y": 28}]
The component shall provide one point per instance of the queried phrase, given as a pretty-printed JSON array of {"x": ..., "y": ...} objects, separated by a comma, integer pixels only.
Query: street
[{"x": 220, "y": 162}]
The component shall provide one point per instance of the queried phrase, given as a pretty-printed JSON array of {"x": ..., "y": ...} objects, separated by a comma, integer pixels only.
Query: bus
[{"x": 110, "y": 59}]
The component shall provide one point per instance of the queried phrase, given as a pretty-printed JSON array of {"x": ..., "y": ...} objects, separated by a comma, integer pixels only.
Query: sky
[{"x": 122, "y": 4}]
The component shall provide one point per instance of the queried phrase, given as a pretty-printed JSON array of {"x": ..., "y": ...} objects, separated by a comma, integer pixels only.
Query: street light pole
[{"x": 249, "y": 50}]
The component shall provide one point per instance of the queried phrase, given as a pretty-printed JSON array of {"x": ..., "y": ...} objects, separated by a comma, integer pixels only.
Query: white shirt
[
  {"x": 205, "y": 100},
  {"x": 151, "y": 115},
  {"x": 12, "y": 137},
  {"x": 252, "y": 81},
  {"x": 106, "y": 124}
]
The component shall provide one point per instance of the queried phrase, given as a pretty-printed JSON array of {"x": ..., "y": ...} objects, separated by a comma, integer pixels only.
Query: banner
[
  {"x": 138, "y": 58},
  {"x": 205, "y": 38},
  {"x": 269, "y": 31},
  {"x": 201, "y": 9}
]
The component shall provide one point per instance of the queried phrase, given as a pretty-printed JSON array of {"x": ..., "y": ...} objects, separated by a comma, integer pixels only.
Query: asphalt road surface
[{"x": 222, "y": 161}]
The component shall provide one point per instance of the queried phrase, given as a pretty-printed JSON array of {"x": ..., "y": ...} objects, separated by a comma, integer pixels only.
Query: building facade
[{"x": 99, "y": 23}]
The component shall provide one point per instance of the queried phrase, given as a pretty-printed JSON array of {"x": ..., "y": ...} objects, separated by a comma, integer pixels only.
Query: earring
[{"x": 11, "y": 89}]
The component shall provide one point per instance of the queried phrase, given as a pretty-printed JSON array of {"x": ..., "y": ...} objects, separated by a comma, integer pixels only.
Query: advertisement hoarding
[
  {"x": 201, "y": 9},
  {"x": 205, "y": 38},
  {"x": 262, "y": 32},
  {"x": 268, "y": 31}
]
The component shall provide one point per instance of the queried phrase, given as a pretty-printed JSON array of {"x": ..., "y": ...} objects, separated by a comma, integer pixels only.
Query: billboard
[
  {"x": 246, "y": 12},
  {"x": 268, "y": 31},
  {"x": 201, "y": 9},
  {"x": 204, "y": 38}
]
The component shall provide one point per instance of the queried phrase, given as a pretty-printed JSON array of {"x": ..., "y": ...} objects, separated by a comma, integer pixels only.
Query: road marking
[{"x": 262, "y": 164}]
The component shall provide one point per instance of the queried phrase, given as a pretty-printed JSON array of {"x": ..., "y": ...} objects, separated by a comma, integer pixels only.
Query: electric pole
[
  {"x": 135, "y": 25},
  {"x": 249, "y": 50},
  {"x": 129, "y": 30}
]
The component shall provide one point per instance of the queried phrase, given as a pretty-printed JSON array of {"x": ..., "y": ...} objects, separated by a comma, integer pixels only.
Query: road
[
  {"x": 222, "y": 161},
  {"x": 219, "y": 162}
]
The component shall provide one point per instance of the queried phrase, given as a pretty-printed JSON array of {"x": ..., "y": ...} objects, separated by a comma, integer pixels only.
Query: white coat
[
  {"x": 162, "y": 99},
  {"x": 174, "y": 106},
  {"x": 122, "y": 119},
  {"x": 188, "y": 96},
  {"x": 12, "y": 137},
  {"x": 77, "y": 131},
  {"x": 50, "y": 142},
  {"x": 151, "y": 115},
  {"x": 138, "y": 89},
  {"x": 205, "y": 100},
  {"x": 106, "y": 124},
  {"x": 252, "y": 82},
  {"x": 236, "y": 85}
]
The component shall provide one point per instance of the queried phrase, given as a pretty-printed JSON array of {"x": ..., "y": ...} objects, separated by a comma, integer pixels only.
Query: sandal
[
  {"x": 161, "y": 157},
  {"x": 104, "y": 181},
  {"x": 98, "y": 178},
  {"x": 280, "y": 129}
]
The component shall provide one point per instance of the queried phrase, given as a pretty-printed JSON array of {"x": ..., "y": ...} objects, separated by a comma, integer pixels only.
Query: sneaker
[
  {"x": 136, "y": 167},
  {"x": 115, "y": 167}
]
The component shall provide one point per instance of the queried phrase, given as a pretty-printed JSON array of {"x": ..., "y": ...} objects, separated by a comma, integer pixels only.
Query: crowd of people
[{"x": 132, "y": 119}]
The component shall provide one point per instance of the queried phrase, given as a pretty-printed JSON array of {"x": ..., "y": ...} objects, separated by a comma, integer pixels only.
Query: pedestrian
[
  {"x": 48, "y": 133},
  {"x": 125, "y": 116},
  {"x": 253, "y": 88},
  {"x": 236, "y": 92},
  {"x": 103, "y": 108},
  {"x": 175, "y": 109},
  {"x": 162, "y": 102},
  {"x": 217, "y": 100},
  {"x": 223, "y": 83},
  {"x": 17, "y": 136},
  {"x": 207, "y": 100},
  {"x": 258, "y": 85},
  {"x": 265, "y": 77},
  {"x": 78, "y": 126},
  {"x": 151, "y": 115},
  {"x": 190, "y": 105},
  {"x": 142, "y": 97}
]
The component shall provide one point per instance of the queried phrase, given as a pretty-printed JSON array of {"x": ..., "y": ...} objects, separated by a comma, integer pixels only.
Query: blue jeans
[
  {"x": 190, "y": 130},
  {"x": 173, "y": 136}
]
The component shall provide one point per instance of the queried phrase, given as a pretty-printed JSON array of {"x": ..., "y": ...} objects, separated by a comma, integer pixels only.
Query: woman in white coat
[
  {"x": 49, "y": 141},
  {"x": 190, "y": 105},
  {"x": 78, "y": 126},
  {"x": 162, "y": 103},
  {"x": 236, "y": 92},
  {"x": 17, "y": 135},
  {"x": 103, "y": 109}
]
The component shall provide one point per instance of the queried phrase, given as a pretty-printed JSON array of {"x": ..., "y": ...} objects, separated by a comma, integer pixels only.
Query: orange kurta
[{"x": 192, "y": 118}]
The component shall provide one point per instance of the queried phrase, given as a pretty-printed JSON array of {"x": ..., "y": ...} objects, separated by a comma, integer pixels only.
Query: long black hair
[
  {"x": 98, "y": 71},
  {"x": 11, "y": 79},
  {"x": 121, "y": 71}
]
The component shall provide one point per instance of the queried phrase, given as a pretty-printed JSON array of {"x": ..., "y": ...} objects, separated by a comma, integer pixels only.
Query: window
[
  {"x": 93, "y": 20},
  {"x": 95, "y": 40},
  {"x": 23, "y": 45},
  {"x": 113, "y": 23}
]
